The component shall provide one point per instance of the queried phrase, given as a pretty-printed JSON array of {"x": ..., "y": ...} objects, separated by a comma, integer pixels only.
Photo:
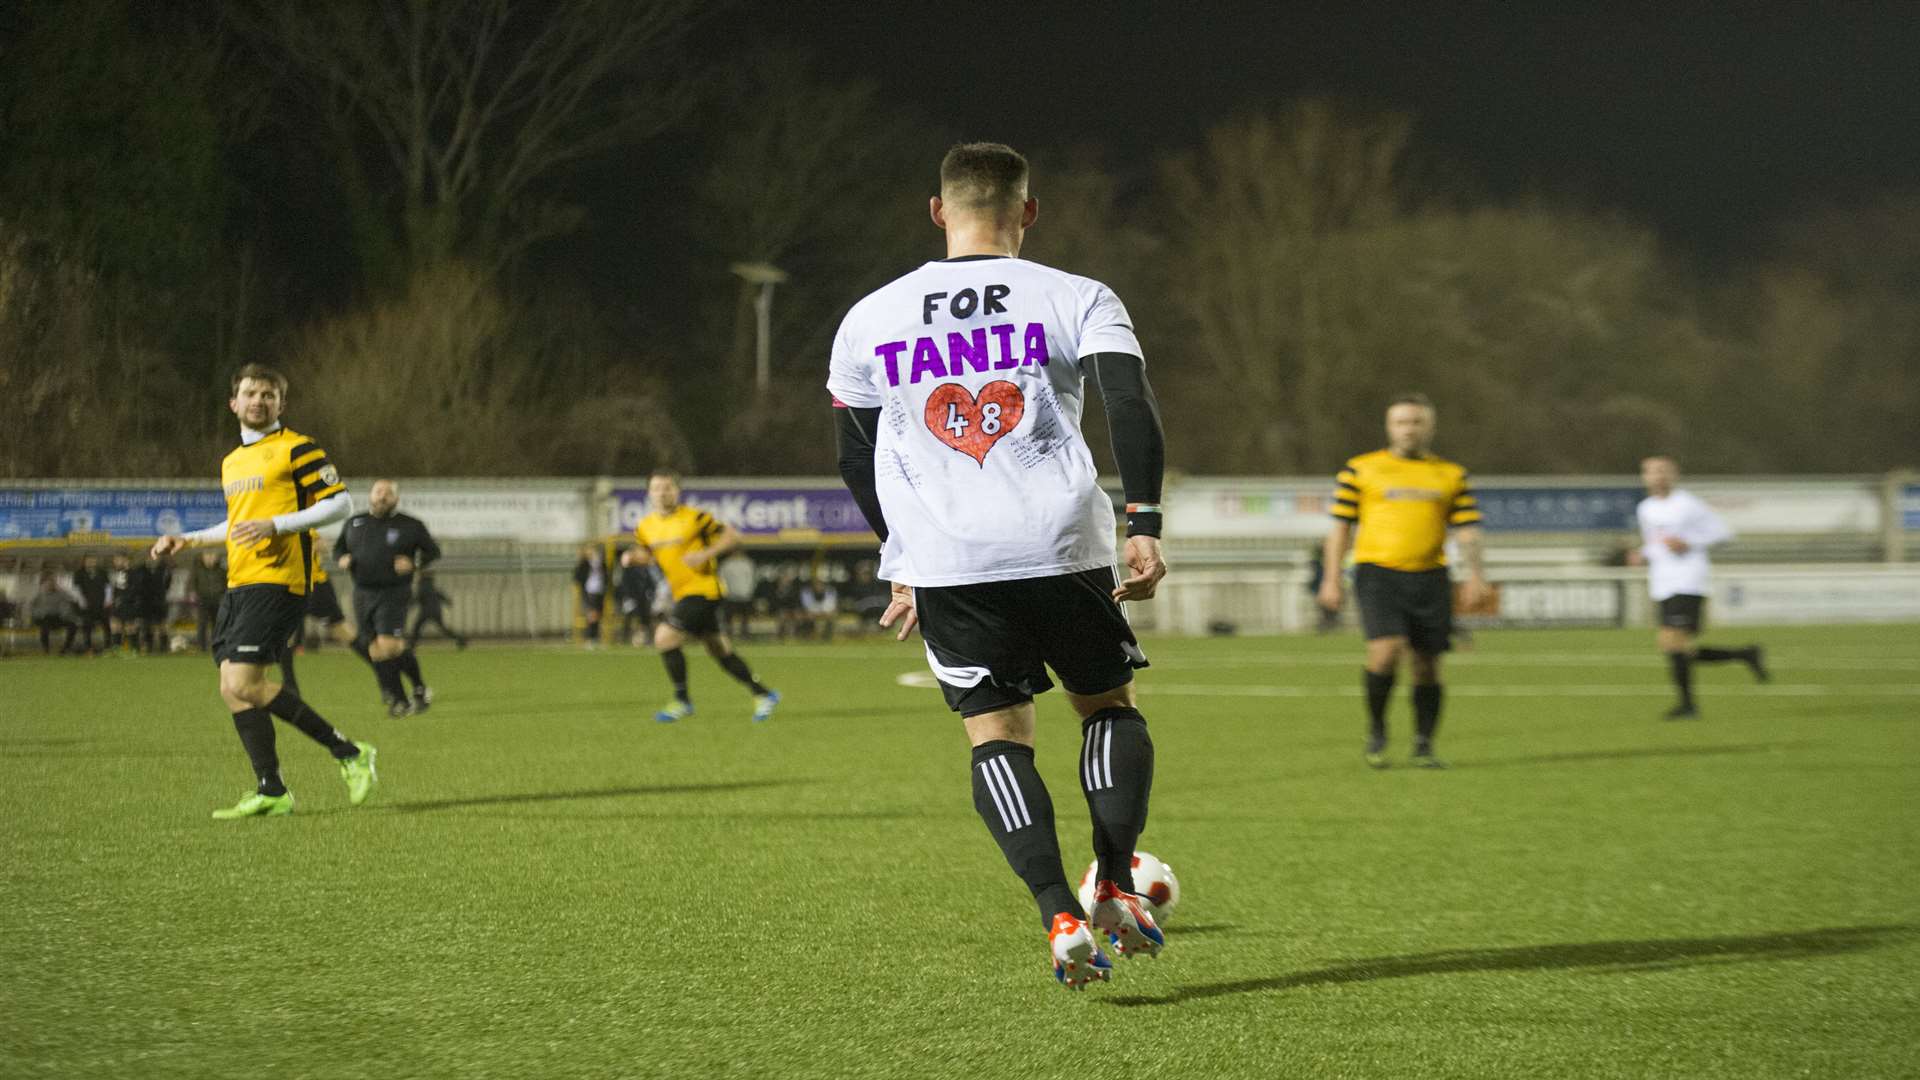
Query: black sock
[
  {"x": 737, "y": 668},
  {"x": 256, "y": 734},
  {"x": 288, "y": 706},
  {"x": 1682, "y": 677},
  {"x": 359, "y": 647},
  {"x": 387, "y": 673},
  {"x": 1426, "y": 716},
  {"x": 410, "y": 667},
  {"x": 1116, "y": 775},
  {"x": 1379, "y": 692},
  {"x": 1013, "y": 801},
  {"x": 676, "y": 662},
  {"x": 1707, "y": 654},
  {"x": 287, "y": 678}
]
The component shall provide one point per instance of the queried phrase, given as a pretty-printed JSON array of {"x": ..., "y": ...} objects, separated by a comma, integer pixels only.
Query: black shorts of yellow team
[
  {"x": 1685, "y": 612},
  {"x": 255, "y": 622},
  {"x": 991, "y": 644},
  {"x": 1413, "y": 604},
  {"x": 324, "y": 604},
  {"x": 381, "y": 610},
  {"x": 696, "y": 615}
]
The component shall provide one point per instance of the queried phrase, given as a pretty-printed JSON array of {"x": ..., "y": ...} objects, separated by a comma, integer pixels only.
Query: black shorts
[
  {"x": 1684, "y": 612},
  {"x": 696, "y": 615},
  {"x": 990, "y": 644},
  {"x": 324, "y": 604},
  {"x": 592, "y": 603},
  {"x": 381, "y": 610},
  {"x": 1413, "y": 604},
  {"x": 255, "y": 622}
]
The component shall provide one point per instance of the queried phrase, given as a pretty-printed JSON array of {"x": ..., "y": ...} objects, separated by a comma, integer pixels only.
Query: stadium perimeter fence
[{"x": 1808, "y": 549}]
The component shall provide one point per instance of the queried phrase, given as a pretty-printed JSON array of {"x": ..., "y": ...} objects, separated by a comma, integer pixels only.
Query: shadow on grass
[
  {"x": 1633, "y": 752},
  {"x": 586, "y": 793},
  {"x": 1603, "y": 956}
]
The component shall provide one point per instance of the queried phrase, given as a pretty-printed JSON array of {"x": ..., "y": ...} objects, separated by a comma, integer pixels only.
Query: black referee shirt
[{"x": 374, "y": 541}]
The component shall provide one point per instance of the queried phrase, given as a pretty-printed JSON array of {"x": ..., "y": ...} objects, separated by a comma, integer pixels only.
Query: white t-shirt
[
  {"x": 980, "y": 466},
  {"x": 1678, "y": 514}
]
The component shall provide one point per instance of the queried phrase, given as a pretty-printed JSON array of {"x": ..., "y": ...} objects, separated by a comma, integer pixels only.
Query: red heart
[{"x": 972, "y": 424}]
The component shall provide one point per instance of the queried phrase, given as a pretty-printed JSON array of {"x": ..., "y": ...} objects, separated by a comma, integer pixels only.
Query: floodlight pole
[{"x": 765, "y": 275}]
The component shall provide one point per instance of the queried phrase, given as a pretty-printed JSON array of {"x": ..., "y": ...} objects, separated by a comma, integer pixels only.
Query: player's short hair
[
  {"x": 663, "y": 471},
  {"x": 983, "y": 176},
  {"x": 263, "y": 373},
  {"x": 1668, "y": 458},
  {"x": 1411, "y": 397}
]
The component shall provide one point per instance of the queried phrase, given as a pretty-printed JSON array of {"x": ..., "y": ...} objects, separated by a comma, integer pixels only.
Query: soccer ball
[{"x": 1153, "y": 882}]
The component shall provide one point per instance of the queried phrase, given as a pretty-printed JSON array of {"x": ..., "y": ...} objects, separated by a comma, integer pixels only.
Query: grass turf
[{"x": 549, "y": 884}]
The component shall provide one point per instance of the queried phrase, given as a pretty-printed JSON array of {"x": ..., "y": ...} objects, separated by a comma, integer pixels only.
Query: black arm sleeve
[
  {"x": 858, "y": 429},
  {"x": 429, "y": 548},
  {"x": 1133, "y": 423}
]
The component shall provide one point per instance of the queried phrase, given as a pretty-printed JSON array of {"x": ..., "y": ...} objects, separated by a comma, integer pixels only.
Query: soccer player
[
  {"x": 382, "y": 548},
  {"x": 279, "y": 485},
  {"x": 959, "y": 388},
  {"x": 687, "y": 545},
  {"x": 1676, "y": 532},
  {"x": 1402, "y": 500}
]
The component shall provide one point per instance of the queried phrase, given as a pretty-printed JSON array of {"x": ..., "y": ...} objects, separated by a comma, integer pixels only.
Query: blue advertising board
[
  {"x": 1548, "y": 509},
  {"x": 77, "y": 515},
  {"x": 1910, "y": 506},
  {"x": 797, "y": 515}
]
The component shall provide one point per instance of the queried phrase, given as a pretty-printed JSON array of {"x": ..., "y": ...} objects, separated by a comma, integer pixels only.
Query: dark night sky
[{"x": 1709, "y": 121}]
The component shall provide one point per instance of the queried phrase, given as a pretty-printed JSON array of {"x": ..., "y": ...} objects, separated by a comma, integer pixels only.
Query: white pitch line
[
  {"x": 1784, "y": 660},
  {"x": 1148, "y": 688}
]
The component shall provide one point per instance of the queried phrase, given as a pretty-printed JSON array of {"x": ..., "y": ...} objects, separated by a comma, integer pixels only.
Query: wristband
[{"x": 1143, "y": 519}]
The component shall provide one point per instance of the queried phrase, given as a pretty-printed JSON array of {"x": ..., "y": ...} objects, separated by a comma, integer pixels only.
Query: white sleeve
[
  {"x": 335, "y": 507},
  {"x": 849, "y": 377},
  {"x": 1106, "y": 326},
  {"x": 1648, "y": 547},
  {"x": 212, "y": 534},
  {"x": 1706, "y": 527}
]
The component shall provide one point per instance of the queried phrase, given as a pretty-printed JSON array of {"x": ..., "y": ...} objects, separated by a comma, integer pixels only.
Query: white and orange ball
[{"x": 1153, "y": 883}]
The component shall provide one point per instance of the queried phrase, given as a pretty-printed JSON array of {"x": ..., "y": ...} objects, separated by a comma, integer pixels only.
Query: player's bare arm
[
  {"x": 900, "y": 606},
  {"x": 1333, "y": 555},
  {"x": 637, "y": 555},
  {"x": 1472, "y": 550}
]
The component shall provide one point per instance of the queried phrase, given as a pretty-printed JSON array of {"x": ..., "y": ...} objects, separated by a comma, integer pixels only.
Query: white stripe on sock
[
  {"x": 1013, "y": 787},
  {"x": 1106, "y": 753},
  {"x": 998, "y": 804},
  {"x": 1086, "y": 758}
]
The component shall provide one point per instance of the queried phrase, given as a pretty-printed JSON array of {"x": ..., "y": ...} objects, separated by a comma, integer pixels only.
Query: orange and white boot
[
  {"x": 1125, "y": 921},
  {"x": 1077, "y": 960}
]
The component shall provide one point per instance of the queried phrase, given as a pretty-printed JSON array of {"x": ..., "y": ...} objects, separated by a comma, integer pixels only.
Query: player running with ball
[{"x": 959, "y": 390}]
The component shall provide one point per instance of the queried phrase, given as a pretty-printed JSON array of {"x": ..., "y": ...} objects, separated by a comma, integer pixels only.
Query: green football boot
[
  {"x": 358, "y": 772},
  {"x": 254, "y": 804}
]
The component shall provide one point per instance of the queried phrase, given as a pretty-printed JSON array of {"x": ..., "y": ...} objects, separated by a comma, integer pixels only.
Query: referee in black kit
[{"x": 383, "y": 549}]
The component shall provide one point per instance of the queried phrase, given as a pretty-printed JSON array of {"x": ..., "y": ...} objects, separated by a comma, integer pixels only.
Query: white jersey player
[
  {"x": 1677, "y": 530},
  {"x": 959, "y": 388}
]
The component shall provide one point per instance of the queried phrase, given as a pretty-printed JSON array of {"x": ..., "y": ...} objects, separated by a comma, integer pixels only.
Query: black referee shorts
[
  {"x": 1413, "y": 604},
  {"x": 381, "y": 610},
  {"x": 990, "y": 644},
  {"x": 255, "y": 623}
]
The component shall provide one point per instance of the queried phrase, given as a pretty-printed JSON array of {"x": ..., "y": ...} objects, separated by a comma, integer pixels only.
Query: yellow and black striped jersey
[
  {"x": 1403, "y": 507},
  {"x": 670, "y": 537},
  {"x": 281, "y": 473}
]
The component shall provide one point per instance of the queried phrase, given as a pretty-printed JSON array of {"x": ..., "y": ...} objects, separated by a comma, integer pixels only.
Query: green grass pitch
[{"x": 548, "y": 884}]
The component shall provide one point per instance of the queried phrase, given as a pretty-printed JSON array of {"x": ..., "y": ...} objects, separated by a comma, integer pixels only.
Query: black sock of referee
[
  {"x": 287, "y": 678},
  {"x": 676, "y": 662},
  {"x": 1682, "y": 665},
  {"x": 1707, "y": 654},
  {"x": 387, "y": 673},
  {"x": 255, "y": 727},
  {"x": 289, "y": 706},
  {"x": 410, "y": 667},
  {"x": 359, "y": 647},
  {"x": 1379, "y": 692},
  {"x": 1013, "y": 801},
  {"x": 737, "y": 668},
  {"x": 1116, "y": 775},
  {"x": 1426, "y": 716}
]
